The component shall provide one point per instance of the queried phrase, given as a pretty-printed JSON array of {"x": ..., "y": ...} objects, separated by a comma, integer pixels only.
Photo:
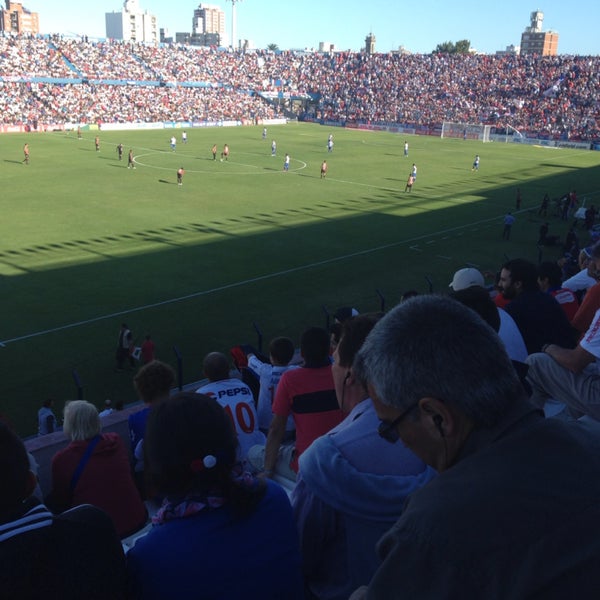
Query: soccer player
[
  {"x": 476, "y": 163},
  {"x": 286, "y": 163},
  {"x": 130, "y": 163},
  {"x": 264, "y": 133},
  {"x": 406, "y": 149},
  {"x": 26, "y": 154},
  {"x": 273, "y": 148},
  {"x": 414, "y": 172},
  {"x": 184, "y": 137},
  {"x": 173, "y": 143},
  {"x": 330, "y": 143},
  {"x": 214, "y": 151},
  {"x": 409, "y": 183},
  {"x": 78, "y": 132},
  {"x": 97, "y": 143},
  {"x": 225, "y": 153},
  {"x": 120, "y": 151},
  {"x": 180, "y": 174},
  {"x": 324, "y": 169}
]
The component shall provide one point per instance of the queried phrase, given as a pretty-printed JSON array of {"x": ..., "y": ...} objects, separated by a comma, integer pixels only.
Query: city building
[
  {"x": 536, "y": 41},
  {"x": 15, "y": 18},
  {"x": 132, "y": 24},
  {"x": 326, "y": 47},
  {"x": 208, "y": 26},
  {"x": 370, "y": 44}
]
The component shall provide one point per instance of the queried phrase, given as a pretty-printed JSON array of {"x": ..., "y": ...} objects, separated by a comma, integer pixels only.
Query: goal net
[{"x": 466, "y": 131}]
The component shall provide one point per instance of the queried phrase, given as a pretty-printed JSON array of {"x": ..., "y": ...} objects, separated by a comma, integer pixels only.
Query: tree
[
  {"x": 461, "y": 47},
  {"x": 273, "y": 47},
  {"x": 445, "y": 48}
]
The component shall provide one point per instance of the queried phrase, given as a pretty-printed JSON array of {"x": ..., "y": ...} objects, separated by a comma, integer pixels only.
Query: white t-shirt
[
  {"x": 237, "y": 400},
  {"x": 591, "y": 339},
  {"x": 579, "y": 281},
  {"x": 511, "y": 337},
  {"x": 269, "y": 377}
]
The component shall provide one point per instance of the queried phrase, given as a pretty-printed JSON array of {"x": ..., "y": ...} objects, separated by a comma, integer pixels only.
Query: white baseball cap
[{"x": 466, "y": 278}]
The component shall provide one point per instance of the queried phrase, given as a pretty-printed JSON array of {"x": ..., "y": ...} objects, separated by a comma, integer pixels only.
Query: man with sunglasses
[{"x": 515, "y": 510}]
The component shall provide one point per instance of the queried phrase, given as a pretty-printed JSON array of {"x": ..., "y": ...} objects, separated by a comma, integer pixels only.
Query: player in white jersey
[{"x": 235, "y": 397}]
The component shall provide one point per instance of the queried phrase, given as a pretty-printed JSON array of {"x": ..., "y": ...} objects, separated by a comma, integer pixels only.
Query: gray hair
[
  {"x": 81, "y": 420},
  {"x": 433, "y": 346}
]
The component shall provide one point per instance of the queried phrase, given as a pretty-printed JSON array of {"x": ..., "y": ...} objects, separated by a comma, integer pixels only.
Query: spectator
[
  {"x": 70, "y": 556},
  {"x": 235, "y": 397},
  {"x": 153, "y": 383},
  {"x": 549, "y": 280},
  {"x": 472, "y": 423},
  {"x": 214, "y": 516},
  {"x": 47, "y": 422},
  {"x": 281, "y": 352},
  {"x": 351, "y": 483},
  {"x": 308, "y": 394},
  {"x": 478, "y": 299},
  {"x": 591, "y": 300},
  {"x": 467, "y": 278},
  {"x": 94, "y": 469},
  {"x": 537, "y": 315},
  {"x": 581, "y": 281},
  {"x": 569, "y": 375},
  {"x": 107, "y": 410},
  {"x": 340, "y": 316}
]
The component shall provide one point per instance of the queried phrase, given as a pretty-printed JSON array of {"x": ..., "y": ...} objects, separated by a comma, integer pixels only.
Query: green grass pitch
[{"x": 86, "y": 243}]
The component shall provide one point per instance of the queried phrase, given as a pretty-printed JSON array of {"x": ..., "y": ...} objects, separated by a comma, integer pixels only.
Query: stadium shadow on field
[{"x": 201, "y": 284}]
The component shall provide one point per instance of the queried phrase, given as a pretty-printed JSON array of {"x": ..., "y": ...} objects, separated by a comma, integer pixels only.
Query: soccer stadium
[{"x": 171, "y": 201}]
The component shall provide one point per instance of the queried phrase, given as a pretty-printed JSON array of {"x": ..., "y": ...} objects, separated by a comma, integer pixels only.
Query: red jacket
[{"x": 105, "y": 482}]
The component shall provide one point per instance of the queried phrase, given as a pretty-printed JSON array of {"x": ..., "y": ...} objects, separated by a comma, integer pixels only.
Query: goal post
[{"x": 466, "y": 131}]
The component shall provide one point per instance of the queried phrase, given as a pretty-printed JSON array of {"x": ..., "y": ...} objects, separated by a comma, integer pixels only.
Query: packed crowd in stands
[
  {"x": 89, "y": 103},
  {"x": 555, "y": 97}
]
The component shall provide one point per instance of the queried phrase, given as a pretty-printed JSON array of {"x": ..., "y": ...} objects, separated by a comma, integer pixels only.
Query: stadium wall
[{"x": 44, "y": 127}]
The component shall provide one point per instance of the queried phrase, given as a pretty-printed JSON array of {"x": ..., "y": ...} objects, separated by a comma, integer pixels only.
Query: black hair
[
  {"x": 551, "y": 271},
  {"x": 154, "y": 380},
  {"x": 478, "y": 299},
  {"x": 314, "y": 345},
  {"x": 216, "y": 366},
  {"x": 181, "y": 432},
  {"x": 524, "y": 271},
  {"x": 282, "y": 350},
  {"x": 354, "y": 332}
]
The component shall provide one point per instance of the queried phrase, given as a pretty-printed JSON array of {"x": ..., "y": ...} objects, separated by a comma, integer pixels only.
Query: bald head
[{"x": 216, "y": 366}]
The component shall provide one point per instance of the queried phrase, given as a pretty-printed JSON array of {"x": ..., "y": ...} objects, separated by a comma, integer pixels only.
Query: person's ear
[{"x": 436, "y": 417}]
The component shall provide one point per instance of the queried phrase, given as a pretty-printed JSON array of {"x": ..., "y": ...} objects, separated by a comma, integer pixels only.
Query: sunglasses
[{"x": 389, "y": 431}]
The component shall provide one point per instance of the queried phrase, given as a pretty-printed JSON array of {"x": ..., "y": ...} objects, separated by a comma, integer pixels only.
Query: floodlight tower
[{"x": 233, "y": 22}]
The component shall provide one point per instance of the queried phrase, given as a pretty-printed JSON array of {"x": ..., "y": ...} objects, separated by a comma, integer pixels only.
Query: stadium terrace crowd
[
  {"x": 555, "y": 97},
  {"x": 374, "y": 428},
  {"x": 89, "y": 103}
]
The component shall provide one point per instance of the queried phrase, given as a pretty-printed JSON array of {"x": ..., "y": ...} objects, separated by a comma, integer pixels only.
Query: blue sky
[{"x": 418, "y": 26}]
